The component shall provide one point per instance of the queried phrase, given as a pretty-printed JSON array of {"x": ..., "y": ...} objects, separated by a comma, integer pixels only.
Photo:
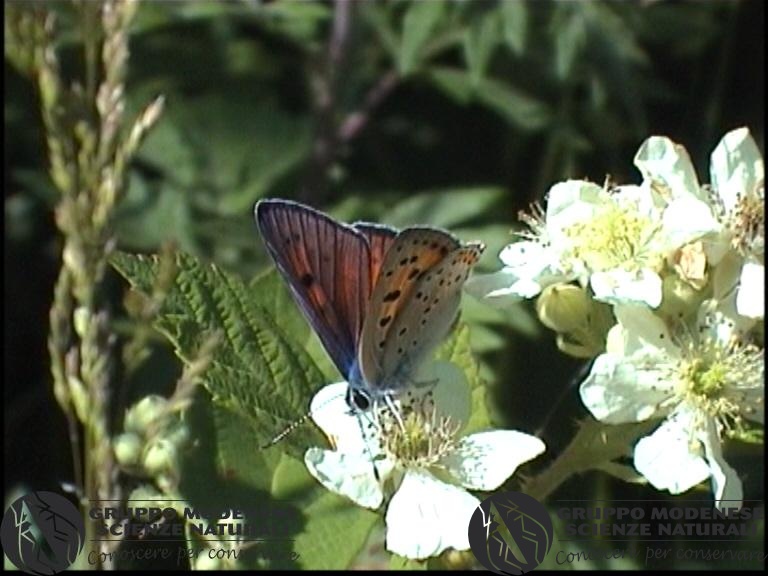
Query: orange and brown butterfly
[{"x": 380, "y": 300}]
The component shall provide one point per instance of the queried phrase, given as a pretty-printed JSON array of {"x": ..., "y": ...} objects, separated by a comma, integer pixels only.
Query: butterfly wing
[
  {"x": 402, "y": 323},
  {"x": 380, "y": 238},
  {"x": 327, "y": 265},
  {"x": 428, "y": 315}
]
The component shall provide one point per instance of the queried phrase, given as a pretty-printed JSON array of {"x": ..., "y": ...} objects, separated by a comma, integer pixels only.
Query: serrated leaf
[
  {"x": 480, "y": 40},
  {"x": 420, "y": 21},
  {"x": 276, "y": 297},
  {"x": 258, "y": 371},
  {"x": 514, "y": 16}
]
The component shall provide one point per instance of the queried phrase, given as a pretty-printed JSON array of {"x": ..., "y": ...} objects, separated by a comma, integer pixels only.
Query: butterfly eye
[{"x": 358, "y": 399}]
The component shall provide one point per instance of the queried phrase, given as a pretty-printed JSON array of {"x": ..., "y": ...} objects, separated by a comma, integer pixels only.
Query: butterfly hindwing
[
  {"x": 328, "y": 268},
  {"x": 380, "y": 238},
  {"x": 429, "y": 313},
  {"x": 414, "y": 252}
]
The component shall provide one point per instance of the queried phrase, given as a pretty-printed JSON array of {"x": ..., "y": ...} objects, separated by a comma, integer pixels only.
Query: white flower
[
  {"x": 704, "y": 387},
  {"x": 738, "y": 184},
  {"x": 620, "y": 240},
  {"x": 616, "y": 240},
  {"x": 730, "y": 214},
  {"x": 421, "y": 456}
]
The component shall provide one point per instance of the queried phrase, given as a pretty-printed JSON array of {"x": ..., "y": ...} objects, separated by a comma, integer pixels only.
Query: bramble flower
[
  {"x": 703, "y": 384},
  {"x": 615, "y": 240},
  {"x": 738, "y": 183},
  {"x": 622, "y": 241},
  {"x": 419, "y": 456},
  {"x": 730, "y": 212}
]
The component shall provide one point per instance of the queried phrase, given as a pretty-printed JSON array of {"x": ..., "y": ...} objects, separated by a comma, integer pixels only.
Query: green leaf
[
  {"x": 446, "y": 208},
  {"x": 419, "y": 24},
  {"x": 276, "y": 297},
  {"x": 259, "y": 371},
  {"x": 570, "y": 38},
  {"x": 515, "y": 23},
  {"x": 151, "y": 214},
  {"x": 480, "y": 40},
  {"x": 400, "y": 563},
  {"x": 510, "y": 103},
  {"x": 335, "y": 530},
  {"x": 300, "y": 21}
]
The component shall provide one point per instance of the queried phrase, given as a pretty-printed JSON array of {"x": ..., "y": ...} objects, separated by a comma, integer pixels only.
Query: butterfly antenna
[
  {"x": 290, "y": 428},
  {"x": 295, "y": 424},
  {"x": 578, "y": 377}
]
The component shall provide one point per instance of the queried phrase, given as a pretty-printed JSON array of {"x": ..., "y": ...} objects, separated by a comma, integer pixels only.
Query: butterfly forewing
[
  {"x": 414, "y": 252},
  {"x": 328, "y": 268}
]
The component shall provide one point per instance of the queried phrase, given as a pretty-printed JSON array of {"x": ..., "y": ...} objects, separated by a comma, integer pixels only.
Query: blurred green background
[{"x": 451, "y": 113}]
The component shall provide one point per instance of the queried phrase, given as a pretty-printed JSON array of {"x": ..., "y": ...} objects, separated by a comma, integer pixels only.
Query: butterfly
[{"x": 379, "y": 299}]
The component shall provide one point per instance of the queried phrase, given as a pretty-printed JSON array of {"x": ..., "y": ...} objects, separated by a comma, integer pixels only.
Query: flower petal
[
  {"x": 348, "y": 474},
  {"x": 572, "y": 202},
  {"x": 726, "y": 484},
  {"x": 619, "y": 286},
  {"x": 427, "y": 516},
  {"x": 483, "y": 461},
  {"x": 687, "y": 219},
  {"x": 644, "y": 329},
  {"x": 667, "y": 458},
  {"x": 668, "y": 166},
  {"x": 617, "y": 391},
  {"x": 736, "y": 167},
  {"x": 344, "y": 428},
  {"x": 750, "y": 298}
]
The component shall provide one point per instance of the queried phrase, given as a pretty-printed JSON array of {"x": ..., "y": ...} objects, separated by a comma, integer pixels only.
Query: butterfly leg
[
  {"x": 389, "y": 401},
  {"x": 365, "y": 433}
]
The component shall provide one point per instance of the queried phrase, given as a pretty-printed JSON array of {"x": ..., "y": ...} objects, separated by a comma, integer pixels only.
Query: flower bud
[
  {"x": 127, "y": 448},
  {"x": 581, "y": 322},
  {"x": 80, "y": 319},
  {"x": 145, "y": 412},
  {"x": 563, "y": 307},
  {"x": 160, "y": 455}
]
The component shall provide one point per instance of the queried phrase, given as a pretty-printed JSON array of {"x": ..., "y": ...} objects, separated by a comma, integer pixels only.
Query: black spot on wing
[{"x": 392, "y": 296}]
